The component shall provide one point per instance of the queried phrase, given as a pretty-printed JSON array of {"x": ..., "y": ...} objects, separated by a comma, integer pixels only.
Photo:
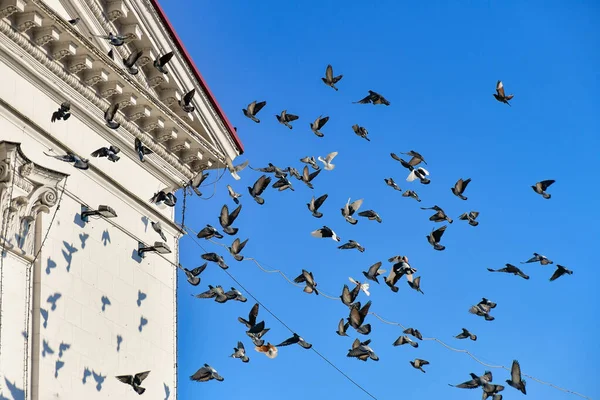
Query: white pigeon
[
  {"x": 233, "y": 170},
  {"x": 418, "y": 173},
  {"x": 363, "y": 286},
  {"x": 327, "y": 160}
]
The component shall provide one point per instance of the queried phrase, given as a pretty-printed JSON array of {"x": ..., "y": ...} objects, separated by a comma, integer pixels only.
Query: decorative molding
[
  {"x": 148, "y": 56},
  {"x": 43, "y": 36},
  {"x": 151, "y": 123},
  {"x": 94, "y": 76},
  {"x": 62, "y": 49},
  {"x": 164, "y": 135},
  {"x": 139, "y": 111},
  {"x": 116, "y": 9},
  {"x": 26, "y": 21},
  {"x": 110, "y": 88},
  {"x": 9, "y": 7}
]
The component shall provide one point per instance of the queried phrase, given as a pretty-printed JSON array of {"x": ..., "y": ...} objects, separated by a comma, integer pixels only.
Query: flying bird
[
  {"x": 259, "y": 186},
  {"x": 196, "y": 182},
  {"x": 361, "y": 131},
  {"x": 141, "y": 149},
  {"x": 516, "y": 381},
  {"x": 435, "y": 237},
  {"x": 374, "y": 98},
  {"x": 361, "y": 286},
  {"x": 209, "y": 232},
  {"x": 315, "y": 204},
  {"x": 214, "y": 292},
  {"x": 543, "y": 260},
  {"x": 466, "y": 334},
  {"x": 310, "y": 161},
  {"x": 510, "y": 269},
  {"x": 391, "y": 183},
  {"x": 240, "y": 352},
  {"x": 331, "y": 80},
  {"x": 415, "y": 284},
  {"x": 226, "y": 219},
  {"x": 233, "y": 194},
  {"x": 413, "y": 332},
  {"x": 358, "y": 315},
  {"x": 349, "y": 296},
  {"x": 186, "y": 101},
  {"x": 296, "y": 339},
  {"x": 234, "y": 294},
  {"x": 253, "y": 109},
  {"x": 161, "y": 62},
  {"x": 540, "y": 188},
  {"x": 412, "y": 194},
  {"x": 393, "y": 278},
  {"x": 282, "y": 184},
  {"x": 115, "y": 40},
  {"x": 158, "y": 229},
  {"x": 286, "y": 118},
  {"x": 256, "y": 332},
  {"x": 206, "y": 373},
  {"x": 374, "y": 271},
  {"x": 439, "y": 216},
  {"x": 135, "y": 380},
  {"x": 481, "y": 310},
  {"x": 236, "y": 248},
  {"x": 272, "y": 169},
  {"x": 342, "y": 328},
  {"x": 416, "y": 159},
  {"x": 318, "y": 124},
  {"x": 63, "y": 112},
  {"x": 130, "y": 61},
  {"x": 193, "y": 275},
  {"x": 405, "y": 340},
  {"x": 109, "y": 116},
  {"x": 252, "y": 315},
  {"x": 214, "y": 257},
  {"x": 308, "y": 279},
  {"x": 78, "y": 162},
  {"x": 308, "y": 177},
  {"x": 560, "y": 271},
  {"x": 476, "y": 381},
  {"x": 62, "y": 347},
  {"x": 108, "y": 152},
  {"x": 471, "y": 216},
  {"x": 418, "y": 364},
  {"x": 352, "y": 244},
  {"x": 165, "y": 197},
  {"x": 362, "y": 351},
  {"x": 268, "y": 350},
  {"x": 371, "y": 215},
  {"x": 327, "y": 161},
  {"x": 459, "y": 187},
  {"x": 325, "y": 232},
  {"x": 74, "y": 21},
  {"x": 500, "y": 96},
  {"x": 233, "y": 170},
  {"x": 349, "y": 209}
]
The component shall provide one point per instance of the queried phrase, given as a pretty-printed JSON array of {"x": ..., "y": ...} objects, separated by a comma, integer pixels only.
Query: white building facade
[{"x": 78, "y": 305}]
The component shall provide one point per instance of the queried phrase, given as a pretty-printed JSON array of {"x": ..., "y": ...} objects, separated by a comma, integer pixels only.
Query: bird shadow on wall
[
  {"x": 145, "y": 221},
  {"x": 15, "y": 392},
  {"x": 50, "y": 265},
  {"x": 52, "y": 299},
  {"x": 119, "y": 341},
  {"x": 105, "y": 302},
  {"x": 83, "y": 237},
  {"x": 78, "y": 221},
  {"x": 46, "y": 349},
  {"x": 135, "y": 256},
  {"x": 68, "y": 254},
  {"x": 8, "y": 245},
  {"x": 98, "y": 378},
  {"x": 167, "y": 391},
  {"x": 143, "y": 322},
  {"x": 59, "y": 362},
  {"x": 141, "y": 296},
  {"x": 44, "y": 314},
  {"x": 105, "y": 237}
]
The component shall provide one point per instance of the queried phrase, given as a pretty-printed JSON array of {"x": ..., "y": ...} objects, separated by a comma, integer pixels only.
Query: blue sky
[{"x": 438, "y": 65}]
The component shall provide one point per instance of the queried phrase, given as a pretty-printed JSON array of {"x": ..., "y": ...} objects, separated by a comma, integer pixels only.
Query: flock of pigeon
[{"x": 357, "y": 312}]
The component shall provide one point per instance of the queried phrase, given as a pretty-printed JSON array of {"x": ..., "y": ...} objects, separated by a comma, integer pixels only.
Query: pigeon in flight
[
  {"x": 308, "y": 177},
  {"x": 352, "y": 244},
  {"x": 327, "y": 160},
  {"x": 272, "y": 169},
  {"x": 193, "y": 275},
  {"x": 165, "y": 197},
  {"x": 391, "y": 183},
  {"x": 259, "y": 186},
  {"x": 206, "y": 373},
  {"x": 543, "y": 260},
  {"x": 516, "y": 381},
  {"x": 560, "y": 271},
  {"x": 234, "y": 294},
  {"x": 500, "y": 96},
  {"x": 296, "y": 339},
  {"x": 466, "y": 334},
  {"x": 268, "y": 350},
  {"x": 130, "y": 61},
  {"x": 158, "y": 229},
  {"x": 361, "y": 131},
  {"x": 108, "y": 152},
  {"x": 413, "y": 332},
  {"x": 286, "y": 118},
  {"x": 374, "y": 271},
  {"x": 416, "y": 159},
  {"x": 310, "y": 161},
  {"x": 226, "y": 219},
  {"x": 78, "y": 162},
  {"x": 74, "y": 21},
  {"x": 459, "y": 188},
  {"x": 482, "y": 310},
  {"x": 374, "y": 98},
  {"x": 412, "y": 194},
  {"x": 253, "y": 109},
  {"x": 233, "y": 170},
  {"x": 418, "y": 364},
  {"x": 393, "y": 278},
  {"x": 318, "y": 124},
  {"x": 540, "y": 188},
  {"x": 315, "y": 204},
  {"x": 109, "y": 116},
  {"x": 405, "y": 340},
  {"x": 415, "y": 284},
  {"x": 240, "y": 352},
  {"x": 256, "y": 332},
  {"x": 471, "y": 216},
  {"x": 162, "y": 61},
  {"x": 233, "y": 194},
  {"x": 331, "y": 80},
  {"x": 215, "y": 292},
  {"x": 141, "y": 149},
  {"x": 236, "y": 248},
  {"x": 186, "y": 101},
  {"x": 308, "y": 279},
  {"x": 209, "y": 232},
  {"x": 510, "y": 269},
  {"x": 361, "y": 286},
  {"x": 293, "y": 172},
  {"x": 349, "y": 209},
  {"x": 63, "y": 112},
  {"x": 342, "y": 328},
  {"x": 325, "y": 232},
  {"x": 371, "y": 215},
  {"x": 476, "y": 381},
  {"x": 135, "y": 380},
  {"x": 362, "y": 351},
  {"x": 196, "y": 182},
  {"x": 282, "y": 184},
  {"x": 252, "y": 315},
  {"x": 214, "y": 257},
  {"x": 439, "y": 216},
  {"x": 358, "y": 314},
  {"x": 435, "y": 237},
  {"x": 348, "y": 297},
  {"x": 115, "y": 40}
]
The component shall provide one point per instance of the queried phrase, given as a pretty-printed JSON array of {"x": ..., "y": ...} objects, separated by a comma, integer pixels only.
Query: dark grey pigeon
[
  {"x": 215, "y": 292},
  {"x": 510, "y": 269},
  {"x": 352, "y": 244},
  {"x": 466, "y": 334},
  {"x": 415, "y": 284},
  {"x": 206, "y": 374},
  {"x": 516, "y": 381},
  {"x": 543, "y": 260},
  {"x": 78, "y": 162},
  {"x": 186, "y": 101},
  {"x": 374, "y": 271},
  {"x": 362, "y": 351},
  {"x": 234, "y": 294},
  {"x": 253, "y": 109},
  {"x": 63, "y": 112},
  {"x": 74, "y": 21},
  {"x": 418, "y": 364},
  {"x": 214, "y": 257},
  {"x": 308, "y": 177},
  {"x": 318, "y": 125},
  {"x": 293, "y": 172},
  {"x": 342, "y": 328},
  {"x": 391, "y": 183},
  {"x": 416, "y": 159},
  {"x": 413, "y": 332},
  {"x": 226, "y": 219},
  {"x": 209, "y": 232},
  {"x": 435, "y": 237},
  {"x": 315, "y": 204},
  {"x": 374, "y": 98},
  {"x": 162, "y": 61},
  {"x": 192, "y": 276},
  {"x": 325, "y": 232},
  {"x": 410, "y": 193},
  {"x": 236, "y": 248},
  {"x": 540, "y": 188},
  {"x": 358, "y": 314},
  {"x": 256, "y": 332},
  {"x": 348, "y": 296},
  {"x": 361, "y": 131},
  {"x": 240, "y": 352},
  {"x": 109, "y": 116},
  {"x": 371, "y": 215},
  {"x": 286, "y": 118},
  {"x": 560, "y": 271},
  {"x": 459, "y": 187},
  {"x": 310, "y": 161},
  {"x": 402, "y": 340},
  {"x": 349, "y": 209},
  {"x": 481, "y": 310},
  {"x": 108, "y": 152},
  {"x": 130, "y": 61},
  {"x": 296, "y": 339},
  {"x": 115, "y": 40},
  {"x": 141, "y": 149},
  {"x": 196, "y": 182},
  {"x": 308, "y": 279},
  {"x": 158, "y": 229},
  {"x": 252, "y": 315},
  {"x": 259, "y": 186},
  {"x": 331, "y": 80},
  {"x": 135, "y": 380},
  {"x": 272, "y": 169},
  {"x": 439, "y": 216},
  {"x": 282, "y": 184},
  {"x": 471, "y": 216}
]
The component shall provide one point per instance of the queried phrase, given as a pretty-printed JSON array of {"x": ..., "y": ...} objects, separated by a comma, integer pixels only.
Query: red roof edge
[{"x": 205, "y": 87}]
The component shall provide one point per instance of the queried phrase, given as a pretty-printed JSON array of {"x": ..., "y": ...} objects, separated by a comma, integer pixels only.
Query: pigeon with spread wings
[
  {"x": 318, "y": 124},
  {"x": 109, "y": 116},
  {"x": 253, "y": 109},
  {"x": 286, "y": 118},
  {"x": 331, "y": 80},
  {"x": 325, "y": 232},
  {"x": 135, "y": 381},
  {"x": 63, "y": 112},
  {"x": 258, "y": 188},
  {"x": 315, "y": 204},
  {"x": 161, "y": 62},
  {"x": 186, "y": 101},
  {"x": 374, "y": 98},
  {"x": 206, "y": 373},
  {"x": 130, "y": 61},
  {"x": 108, "y": 152},
  {"x": 78, "y": 162},
  {"x": 226, "y": 219},
  {"x": 500, "y": 96}
]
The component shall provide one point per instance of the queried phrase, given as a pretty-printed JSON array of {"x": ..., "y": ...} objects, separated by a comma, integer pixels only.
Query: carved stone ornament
[{"x": 26, "y": 189}]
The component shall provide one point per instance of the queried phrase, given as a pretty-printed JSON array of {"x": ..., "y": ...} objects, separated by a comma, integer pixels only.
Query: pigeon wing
[{"x": 188, "y": 96}]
